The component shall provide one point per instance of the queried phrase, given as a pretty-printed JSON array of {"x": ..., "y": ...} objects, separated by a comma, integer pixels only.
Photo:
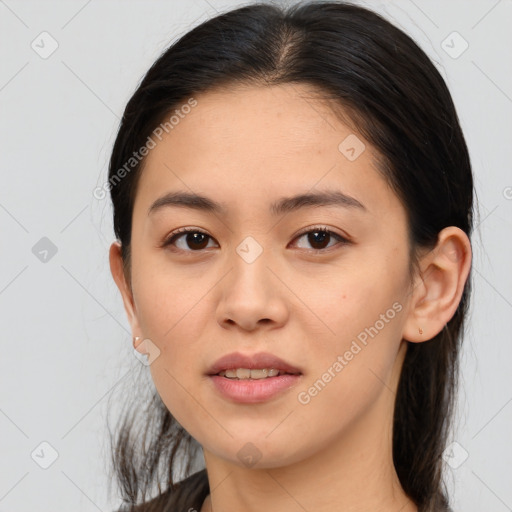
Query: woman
[{"x": 292, "y": 198}]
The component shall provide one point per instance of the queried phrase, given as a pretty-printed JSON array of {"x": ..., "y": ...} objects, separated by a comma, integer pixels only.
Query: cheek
[
  {"x": 359, "y": 318},
  {"x": 167, "y": 299},
  {"x": 175, "y": 371},
  {"x": 173, "y": 311},
  {"x": 352, "y": 300},
  {"x": 352, "y": 370}
]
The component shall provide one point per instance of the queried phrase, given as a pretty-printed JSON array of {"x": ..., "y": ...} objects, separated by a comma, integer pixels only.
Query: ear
[
  {"x": 118, "y": 273},
  {"x": 438, "y": 287}
]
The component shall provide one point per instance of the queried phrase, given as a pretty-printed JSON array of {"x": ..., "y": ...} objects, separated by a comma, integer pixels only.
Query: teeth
[{"x": 246, "y": 373}]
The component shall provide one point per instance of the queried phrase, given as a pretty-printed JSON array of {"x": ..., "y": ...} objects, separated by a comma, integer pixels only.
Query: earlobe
[
  {"x": 437, "y": 293},
  {"x": 118, "y": 273}
]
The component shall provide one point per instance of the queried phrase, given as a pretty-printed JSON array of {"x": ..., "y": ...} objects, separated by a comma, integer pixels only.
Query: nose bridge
[
  {"x": 250, "y": 260},
  {"x": 250, "y": 291},
  {"x": 250, "y": 249}
]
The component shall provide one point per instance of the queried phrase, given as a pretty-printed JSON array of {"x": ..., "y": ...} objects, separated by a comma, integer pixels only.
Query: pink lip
[
  {"x": 259, "y": 360},
  {"x": 253, "y": 390}
]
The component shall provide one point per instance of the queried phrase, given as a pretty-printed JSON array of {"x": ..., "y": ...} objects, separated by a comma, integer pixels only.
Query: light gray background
[{"x": 66, "y": 343}]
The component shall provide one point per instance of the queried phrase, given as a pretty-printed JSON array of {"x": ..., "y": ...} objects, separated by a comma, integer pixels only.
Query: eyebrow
[{"x": 283, "y": 205}]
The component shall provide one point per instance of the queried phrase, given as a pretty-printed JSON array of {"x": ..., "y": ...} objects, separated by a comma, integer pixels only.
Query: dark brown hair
[{"x": 398, "y": 101}]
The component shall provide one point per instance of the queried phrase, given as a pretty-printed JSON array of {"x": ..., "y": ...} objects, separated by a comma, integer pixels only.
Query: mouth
[
  {"x": 253, "y": 374},
  {"x": 252, "y": 379},
  {"x": 256, "y": 366}
]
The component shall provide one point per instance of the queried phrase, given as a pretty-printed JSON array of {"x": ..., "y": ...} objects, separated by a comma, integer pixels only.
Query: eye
[
  {"x": 193, "y": 237},
  {"x": 319, "y": 235},
  {"x": 197, "y": 240}
]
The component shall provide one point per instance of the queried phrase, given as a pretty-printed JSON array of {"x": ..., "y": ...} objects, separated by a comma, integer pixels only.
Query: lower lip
[{"x": 254, "y": 390}]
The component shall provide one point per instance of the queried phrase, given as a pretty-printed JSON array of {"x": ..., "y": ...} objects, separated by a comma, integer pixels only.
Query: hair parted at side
[{"x": 396, "y": 98}]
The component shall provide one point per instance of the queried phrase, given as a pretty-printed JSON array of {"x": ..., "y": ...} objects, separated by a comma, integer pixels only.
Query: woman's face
[{"x": 255, "y": 283}]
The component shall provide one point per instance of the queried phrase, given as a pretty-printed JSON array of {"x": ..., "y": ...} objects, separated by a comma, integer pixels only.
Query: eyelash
[{"x": 323, "y": 229}]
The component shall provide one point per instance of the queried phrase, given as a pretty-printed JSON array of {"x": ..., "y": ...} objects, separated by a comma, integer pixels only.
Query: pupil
[
  {"x": 195, "y": 238},
  {"x": 320, "y": 236}
]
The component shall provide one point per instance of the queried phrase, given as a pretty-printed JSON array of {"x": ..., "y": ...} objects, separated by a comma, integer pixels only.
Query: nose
[{"x": 252, "y": 296}]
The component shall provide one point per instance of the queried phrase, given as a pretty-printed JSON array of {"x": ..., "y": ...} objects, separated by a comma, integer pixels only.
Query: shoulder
[{"x": 186, "y": 496}]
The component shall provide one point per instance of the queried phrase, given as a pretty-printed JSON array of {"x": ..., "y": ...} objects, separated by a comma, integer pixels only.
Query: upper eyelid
[{"x": 320, "y": 227}]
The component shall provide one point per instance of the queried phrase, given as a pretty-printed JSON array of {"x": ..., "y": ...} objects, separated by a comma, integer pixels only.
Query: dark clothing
[{"x": 187, "y": 496}]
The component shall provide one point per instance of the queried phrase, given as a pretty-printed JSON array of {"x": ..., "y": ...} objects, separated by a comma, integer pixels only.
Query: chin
[{"x": 260, "y": 450}]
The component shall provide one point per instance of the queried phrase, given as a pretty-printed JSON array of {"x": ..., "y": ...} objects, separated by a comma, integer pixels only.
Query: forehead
[{"x": 246, "y": 142}]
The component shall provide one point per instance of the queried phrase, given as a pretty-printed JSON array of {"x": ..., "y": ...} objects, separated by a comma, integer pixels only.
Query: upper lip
[{"x": 253, "y": 361}]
